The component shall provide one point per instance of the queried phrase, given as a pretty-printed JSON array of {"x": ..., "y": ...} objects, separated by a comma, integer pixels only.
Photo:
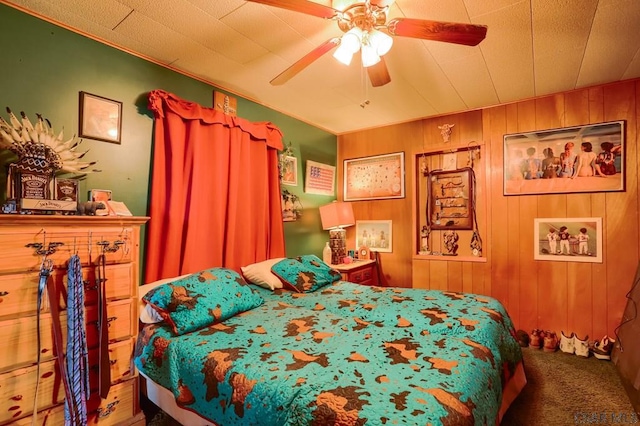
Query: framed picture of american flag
[
  {"x": 320, "y": 179},
  {"x": 374, "y": 178}
]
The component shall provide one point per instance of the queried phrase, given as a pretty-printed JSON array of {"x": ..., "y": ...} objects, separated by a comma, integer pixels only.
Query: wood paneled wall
[{"x": 585, "y": 298}]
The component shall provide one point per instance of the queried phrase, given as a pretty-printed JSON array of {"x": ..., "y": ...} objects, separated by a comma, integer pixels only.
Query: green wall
[{"x": 44, "y": 67}]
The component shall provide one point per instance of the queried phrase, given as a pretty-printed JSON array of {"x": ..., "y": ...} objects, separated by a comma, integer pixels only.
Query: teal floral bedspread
[{"x": 345, "y": 354}]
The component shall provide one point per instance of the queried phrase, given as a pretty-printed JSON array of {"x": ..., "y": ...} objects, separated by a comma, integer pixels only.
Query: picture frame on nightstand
[{"x": 377, "y": 235}]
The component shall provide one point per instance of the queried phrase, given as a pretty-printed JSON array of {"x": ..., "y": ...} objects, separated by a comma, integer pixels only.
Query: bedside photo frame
[{"x": 377, "y": 235}]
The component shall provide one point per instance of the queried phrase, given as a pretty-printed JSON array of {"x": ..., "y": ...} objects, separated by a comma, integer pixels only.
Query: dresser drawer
[
  {"x": 119, "y": 284},
  {"x": 16, "y": 255},
  {"x": 120, "y": 357},
  {"x": 117, "y": 407},
  {"x": 21, "y": 333},
  {"x": 19, "y": 292},
  {"x": 120, "y": 319},
  {"x": 18, "y": 391}
]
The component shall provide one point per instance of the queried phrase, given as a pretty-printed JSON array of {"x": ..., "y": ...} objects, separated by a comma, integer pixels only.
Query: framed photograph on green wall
[{"x": 100, "y": 118}]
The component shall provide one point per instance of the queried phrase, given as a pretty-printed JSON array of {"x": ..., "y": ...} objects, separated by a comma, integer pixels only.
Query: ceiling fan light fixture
[
  {"x": 352, "y": 39},
  {"x": 380, "y": 41},
  {"x": 343, "y": 54},
  {"x": 369, "y": 56}
]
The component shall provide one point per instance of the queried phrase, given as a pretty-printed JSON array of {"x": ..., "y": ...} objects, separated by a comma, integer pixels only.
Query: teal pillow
[
  {"x": 305, "y": 274},
  {"x": 202, "y": 299}
]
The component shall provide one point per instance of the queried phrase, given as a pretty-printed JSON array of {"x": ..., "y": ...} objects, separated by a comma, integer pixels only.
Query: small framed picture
[
  {"x": 100, "y": 195},
  {"x": 375, "y": 234},
  {"x": 289, "y": 170},
  {"x": 100, "y": 118},
  {"x": 320, "y": 178}
]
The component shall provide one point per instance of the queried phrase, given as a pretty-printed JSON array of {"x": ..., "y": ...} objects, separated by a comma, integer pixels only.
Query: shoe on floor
[
  {"x": 602, "y": 348},
  {"x": 523, "y": 338},
  {"x": 550, "y": 341},
  {"x": 581, "y": 346},
  {"x": 535, "y": 339},
  {"x": 567, "y": 344}
]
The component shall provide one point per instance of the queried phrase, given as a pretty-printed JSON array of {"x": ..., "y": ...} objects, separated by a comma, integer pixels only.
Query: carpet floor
[
  {"x": 564, "y": 389},
  {"x": 561, "y": 390}
]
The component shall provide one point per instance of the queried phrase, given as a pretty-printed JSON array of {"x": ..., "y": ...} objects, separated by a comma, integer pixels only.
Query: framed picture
[
  {"x": 375, "y": 234},
  {"x": 374, "y": 178},
  {"x": 291, "y": 206},
  {"x": 568, "y": 239},
  {"x": 100, "y": 118},
  {"x": 450, "y": 199},
  {"x": 100, "y": 195},
  {"x": 589, "y": 158},
  {"x": 320, "y": 179},
  {"x": 289, "y": 170}
]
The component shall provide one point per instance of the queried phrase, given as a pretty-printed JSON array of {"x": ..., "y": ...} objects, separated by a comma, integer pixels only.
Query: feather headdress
[{"x": 39, "y": 149}]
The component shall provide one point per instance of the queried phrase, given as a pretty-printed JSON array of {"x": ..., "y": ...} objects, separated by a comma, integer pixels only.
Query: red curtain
[{"x": 215, "y": 191}]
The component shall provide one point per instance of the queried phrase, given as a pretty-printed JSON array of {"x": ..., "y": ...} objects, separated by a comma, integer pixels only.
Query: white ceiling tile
[
  {"x": 508, "y": 52},
  {"x": 613, "y": 42},
  {"x": 560, "y": 38},
  {"x": 471, "y": 80}
]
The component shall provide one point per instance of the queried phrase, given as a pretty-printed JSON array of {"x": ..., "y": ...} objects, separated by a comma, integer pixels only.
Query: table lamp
[{"x": 335, "y": 217}]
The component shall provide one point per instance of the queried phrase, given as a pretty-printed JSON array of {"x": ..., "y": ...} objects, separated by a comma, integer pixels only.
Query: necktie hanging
[{"x": 77, "y": 360}]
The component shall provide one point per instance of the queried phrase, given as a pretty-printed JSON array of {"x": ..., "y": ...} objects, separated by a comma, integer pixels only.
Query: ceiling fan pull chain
[{"x": 365, "y": 88}]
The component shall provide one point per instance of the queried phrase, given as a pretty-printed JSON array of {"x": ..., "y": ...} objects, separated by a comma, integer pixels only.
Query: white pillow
[
  {"x": 260, "y": 274},
  {"x": 148, "y": 315}
]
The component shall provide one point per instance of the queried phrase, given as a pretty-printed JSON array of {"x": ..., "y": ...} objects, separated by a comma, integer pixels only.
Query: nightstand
[{"x": 363, "y": 272}]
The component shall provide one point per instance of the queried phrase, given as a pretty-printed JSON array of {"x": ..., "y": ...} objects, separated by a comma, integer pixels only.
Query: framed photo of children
[
  {"x": 377, "y": 235},
  {"x": 568, "y": 239},
  {"x": 589, "y": 158}
]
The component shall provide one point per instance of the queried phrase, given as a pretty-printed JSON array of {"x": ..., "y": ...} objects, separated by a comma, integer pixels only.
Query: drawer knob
[
  {"x": 88, "y": 286},
  {"x": 106, "y": 247},
  {"x": 96, "y": 323},
  {"x": 3, "y": 293},
  {"x": 106, "y": 411}
]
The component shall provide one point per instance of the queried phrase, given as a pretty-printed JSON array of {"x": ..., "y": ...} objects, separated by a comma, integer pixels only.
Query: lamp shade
[
  {"x": 352, "y": 39},
  {"x": 336, "y": 215},
  {"x": 343, "y": 55},
  {"x": 369, "y": 56},
  {"x": 380, "y": 41}
]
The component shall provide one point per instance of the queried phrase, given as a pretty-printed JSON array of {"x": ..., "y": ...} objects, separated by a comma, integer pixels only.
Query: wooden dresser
[
  {"x": 363, "y": 272},
  {"x": 21, "y": 236}
]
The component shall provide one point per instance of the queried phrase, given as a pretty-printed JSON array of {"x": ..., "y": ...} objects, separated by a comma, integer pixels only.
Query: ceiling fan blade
[
  {"x": 305, "y": 61},
  {"x": 308, "y": 7},
  {"x": 379, "y": 74},
  {"x": 448, "y": 32}
]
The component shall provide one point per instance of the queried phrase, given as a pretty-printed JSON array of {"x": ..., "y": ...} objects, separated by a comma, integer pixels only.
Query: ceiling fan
[{"x": 366, "y": 29}]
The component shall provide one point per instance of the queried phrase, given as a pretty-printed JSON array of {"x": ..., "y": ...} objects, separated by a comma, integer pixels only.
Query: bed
[{"x": 322, "y": 351}]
